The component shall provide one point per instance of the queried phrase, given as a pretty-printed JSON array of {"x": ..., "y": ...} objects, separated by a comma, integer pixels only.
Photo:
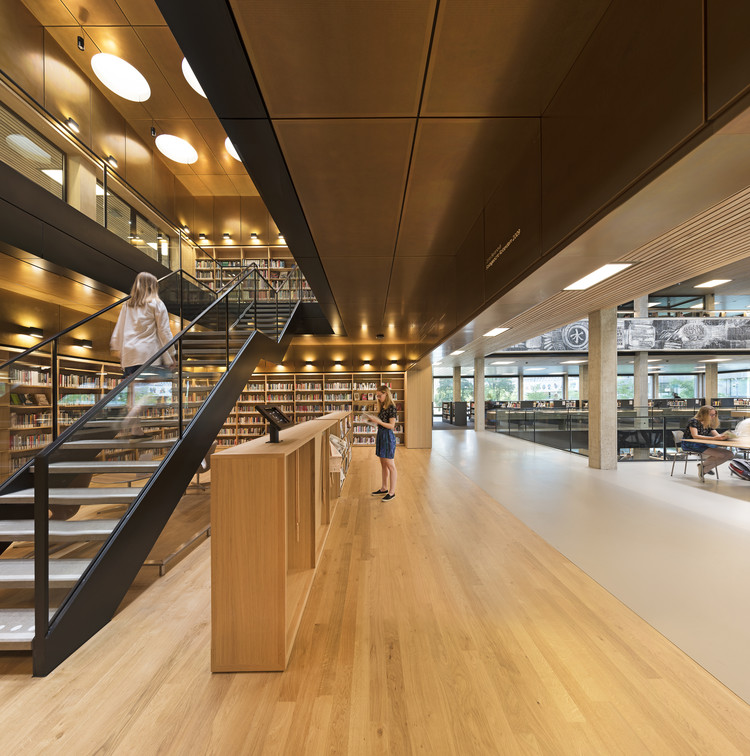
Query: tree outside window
[
  {"x": 500, "y": 389},
  {"x": 542, "y": 387}
]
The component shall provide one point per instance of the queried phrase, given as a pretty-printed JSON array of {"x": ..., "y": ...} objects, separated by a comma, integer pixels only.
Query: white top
[{"x": 141, "y": 332}]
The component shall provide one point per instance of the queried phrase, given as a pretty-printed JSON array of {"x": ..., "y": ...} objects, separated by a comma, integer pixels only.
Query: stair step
[
  {"x": 17, "y": 629},
  {"x": 97, "y": 467},
  {"x": 74, "y": 496},
  {"x": 19, "y": 573},
  {"x": 147, "y": 422},
  {"x": 60, "y": 531},
  {"x": 120, "y": 443}
]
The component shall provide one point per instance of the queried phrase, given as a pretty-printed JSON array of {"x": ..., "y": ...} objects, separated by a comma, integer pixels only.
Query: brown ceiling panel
[
  {"x": 194, "y": 184},
  {"x": 469, "y": 272},
  {"x": 22, "y": 48},
  {"x": 350, "y": 177},
  {"x": 339, "y": 58},
  {"x": 218, "y": 184},
  {"x": 142, "y": 12},
  {"x": 728, "y": 65},
  {"x": 456, "y": 166},
  {"x": 244, "y": 186},
  {"x": 77, "y": 12},
  {"x": 67, "y": 91},
  {"x": 354, "y": 282},
  {"x": 214, "y": 135},
  {"x": 634, "y": 94},
  {"x": 504, "y": 58}
]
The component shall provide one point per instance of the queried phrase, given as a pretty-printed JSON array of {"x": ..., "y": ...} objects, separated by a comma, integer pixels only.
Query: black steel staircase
[{"x": 90, "y": 536}]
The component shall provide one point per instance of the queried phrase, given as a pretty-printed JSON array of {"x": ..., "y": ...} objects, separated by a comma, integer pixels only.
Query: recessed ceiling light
[
  {"x": 191, "y": 78},
  {"x": 504, "y": 362},
  {"x": 656, "y": 360},
  {"x": 176, "y": 149},
  {"x": 572, "y": 362},
  {"x": 717, "y": 359},
  {"x": 597, "y": 276},
  {"x": 122, "y": 78},
  {"x": 537, "y": 368},
  {"x": 458, "y": 351},
  {"x": 712, "y": 283},
  {"x": 231, "y": 150},
  {"x": 496, "y": 331}
]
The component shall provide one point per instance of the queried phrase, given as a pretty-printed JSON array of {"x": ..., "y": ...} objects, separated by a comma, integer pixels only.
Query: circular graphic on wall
[{"x": 575, "y": 336}]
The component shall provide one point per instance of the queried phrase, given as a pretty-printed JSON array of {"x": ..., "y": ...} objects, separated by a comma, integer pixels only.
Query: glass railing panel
[
  {"x": 579, "y": 431},
  {"x": 552, "y": 428}
]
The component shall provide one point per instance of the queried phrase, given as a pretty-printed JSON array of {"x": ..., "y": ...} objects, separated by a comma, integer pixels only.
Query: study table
[{"x": 741, "y": 442}]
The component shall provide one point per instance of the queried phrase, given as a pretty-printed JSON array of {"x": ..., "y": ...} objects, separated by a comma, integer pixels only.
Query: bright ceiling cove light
[
  {"x": 119, "y": 76},
  {"x": 458, "y": 351},
  {"x": 696, "y": 307},
  {"x": 176, "y": 149},
  {"x": 505, "y": 362},
  {"x": 496, "y": 331},
  {"x": 573, "y": 362},
  {"x": 718, "y": 359},
  {"x": 714, "y": 282},
  {"x": 191, "y": 78},
  {"x": 231, "y": 150},
  {"x": 597, "y": 276},
  {"x": 654, "y": 304}
]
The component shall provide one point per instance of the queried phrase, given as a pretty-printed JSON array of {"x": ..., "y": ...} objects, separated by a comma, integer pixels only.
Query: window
[
  {"x": 467, "y": 389},
  {"x": 500, "y": 388},
  {"x": 574, "y": 384},
  {"x": 542, "y": 387},
  {"x": 683, "y": 386},
  {"x": 625, "y": 387},
  {"x": 734, "y": 384}
]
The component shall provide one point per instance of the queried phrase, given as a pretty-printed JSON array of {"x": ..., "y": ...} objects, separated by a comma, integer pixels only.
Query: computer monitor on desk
[{"x": 276, "y": 420}]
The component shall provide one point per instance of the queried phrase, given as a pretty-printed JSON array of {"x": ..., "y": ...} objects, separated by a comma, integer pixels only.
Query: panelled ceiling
[{"x": 397, "y": 124}]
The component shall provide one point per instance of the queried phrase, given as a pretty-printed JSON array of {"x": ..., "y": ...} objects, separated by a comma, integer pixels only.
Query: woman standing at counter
[
  {"x": 385, "y": 442},
  {"x": 703, "y": 426}
]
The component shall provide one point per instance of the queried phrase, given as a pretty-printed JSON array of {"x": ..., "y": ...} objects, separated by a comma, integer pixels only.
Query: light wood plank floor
[{"x": 438, "y": 624}]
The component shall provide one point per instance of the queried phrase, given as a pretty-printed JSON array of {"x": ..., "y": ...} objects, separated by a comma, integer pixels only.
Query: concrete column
[
  {"x": 710, "y": 301},
  {"x": 520, "y": 387},
  {"x": 457, "y": 384},
  {"x": 712, "y": 381},
  {"x": 479, "y": 394},
  {"x": 602, "y": 380},
  {"x": 565, "y": 386},
  {"x": 583, "y": 384},
  {"x": 640, "y": 381},
  {"x": 81, "y": 186}
]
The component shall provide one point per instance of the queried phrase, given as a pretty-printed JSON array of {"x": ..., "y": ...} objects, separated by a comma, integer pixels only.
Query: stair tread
[
  {"x": 97, "y": 467},
  {"x": 59, "y": 530},
  {"x": 120, "y": 443},
  {"x": 74, "y": 496},
  {"x": 18, "y": 573},
  {"x": 17, "y": 628}
]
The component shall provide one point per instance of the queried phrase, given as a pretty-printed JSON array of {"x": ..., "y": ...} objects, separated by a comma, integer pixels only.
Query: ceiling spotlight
[
  {"x": 112, "y": 160},
  {"x": 72, "y": 125},
  {"x": 201, "y": 237},
  {"x": 227, "y": 236},
  {"x": 253, "y": 236},
  {"x": 176, "y": 149},
  {"x": 153, "y": 131},
  {"x": 81, "y": 42},
  {"x": 119, "y": 76},
  {"x": 231, "y": 149},
  {"x": 597, "y": 276},
  {"x": 185, "y": 230},
  {"x": 191, "y": 78}
]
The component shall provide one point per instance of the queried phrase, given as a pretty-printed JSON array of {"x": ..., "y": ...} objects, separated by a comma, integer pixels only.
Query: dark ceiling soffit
[
  {"x": 209, "y": 38},
  {"x": 37, "y": 222}
]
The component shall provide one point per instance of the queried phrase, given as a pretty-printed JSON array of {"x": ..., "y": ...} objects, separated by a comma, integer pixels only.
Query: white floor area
[{"x": 674, "y": 550}]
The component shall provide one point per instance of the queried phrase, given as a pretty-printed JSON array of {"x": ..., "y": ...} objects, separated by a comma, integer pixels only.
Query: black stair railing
[{"x": 157, "y": 423}]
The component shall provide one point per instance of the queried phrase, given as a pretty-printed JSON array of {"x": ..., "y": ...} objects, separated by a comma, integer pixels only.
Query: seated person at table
[{"x": 703, "y": 426}]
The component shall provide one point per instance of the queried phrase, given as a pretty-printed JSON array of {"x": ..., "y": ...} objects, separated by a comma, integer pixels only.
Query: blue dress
[{"x": 385, "y": 441}]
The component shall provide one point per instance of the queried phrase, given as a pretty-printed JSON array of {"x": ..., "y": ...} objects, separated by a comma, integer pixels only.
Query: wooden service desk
[{"x": 271, "y": 506}]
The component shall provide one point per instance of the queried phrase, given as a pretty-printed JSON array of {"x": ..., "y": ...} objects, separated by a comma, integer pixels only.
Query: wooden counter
[{"x": 271, "y": 506}]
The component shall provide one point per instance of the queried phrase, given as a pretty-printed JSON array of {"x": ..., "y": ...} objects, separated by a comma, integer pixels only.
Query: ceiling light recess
[
  {"x": 176, "y": 149},
  {"x": 457, "y": 352},
  {"x": 496, "y": 331},
  {"x": 597, "y": 276},
  {"x": 231, "y": 149},
  {"x": 712, "y": 283},
  {"x": 119, "y": 76}
]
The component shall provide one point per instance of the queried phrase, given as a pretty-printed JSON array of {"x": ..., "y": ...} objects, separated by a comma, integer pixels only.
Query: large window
[
  {"x": 677, "y": 386},
  {"x": 734, "y": 384},
  {"x": 542, "y": 387},
  {"x": 574, "y": 387},
  {"x": 499, "y": 388},
  {"x": 625, "y": 387}
]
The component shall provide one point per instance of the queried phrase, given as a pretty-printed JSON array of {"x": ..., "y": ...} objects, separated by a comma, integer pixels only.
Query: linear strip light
[
  {"x": 597, "y": 276},
  {"x": 718, "y": 359},
  {"x": 496, "y": 331},
  {"x": 458, "y": 351},
  {"x": 505, "y": 362},
  {"x": 572, "y": 362},
  {"x": 711, "y": 284}
]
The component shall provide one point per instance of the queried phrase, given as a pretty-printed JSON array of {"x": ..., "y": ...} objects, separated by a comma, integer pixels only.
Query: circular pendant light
[
  {"x": 231, "y": 150},
  {"x": 122, "y": 78},
  {"x": 176, "y": 149},
  {"x": 191, "y": 78}
]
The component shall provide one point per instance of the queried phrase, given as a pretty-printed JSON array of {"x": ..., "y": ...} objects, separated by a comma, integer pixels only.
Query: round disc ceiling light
[
  {"x": 231, "y": 150},
  {"x": 176, "y": 149},
  {"x": 191, "y": 78},
  {"x": 122, "y": 78}
]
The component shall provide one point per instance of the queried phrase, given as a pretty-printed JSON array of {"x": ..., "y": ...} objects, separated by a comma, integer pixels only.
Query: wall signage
[{"x": 498, "y": 251}]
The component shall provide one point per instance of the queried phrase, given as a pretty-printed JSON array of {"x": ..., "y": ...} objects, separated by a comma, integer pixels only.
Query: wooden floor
[{"x": 438, "y": 624}]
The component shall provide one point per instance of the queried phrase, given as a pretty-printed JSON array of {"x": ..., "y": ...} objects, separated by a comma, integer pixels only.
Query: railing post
[
  {"x": 179, "y": 389},
  {"x": 41, "y": 560},
  {"x": 55, "y": 380},
  {"x": 226, "y": 328}
]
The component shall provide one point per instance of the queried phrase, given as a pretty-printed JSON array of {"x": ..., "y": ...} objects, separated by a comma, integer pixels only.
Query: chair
[
  {"x": 685, "y": 453},
  {"x": 204, "y": 466}
]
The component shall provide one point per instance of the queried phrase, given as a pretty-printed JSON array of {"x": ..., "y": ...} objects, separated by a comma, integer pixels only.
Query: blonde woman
[
  {"x": 142, "y": 330},
  {"x": 385, "y": 442},
  {"x": 703, "y": 426}
]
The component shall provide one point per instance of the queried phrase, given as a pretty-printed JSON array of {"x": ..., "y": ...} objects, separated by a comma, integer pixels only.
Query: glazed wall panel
[{"x": 634, "y": 94}]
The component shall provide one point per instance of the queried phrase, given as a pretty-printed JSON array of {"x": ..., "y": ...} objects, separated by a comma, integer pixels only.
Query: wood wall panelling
[
  {"x": 418, "y": 425},
  {"x": 22, "y": 48},
  {"x": 469, "y": 275},
  {"x": 634, "y": 93},
  {"x": 139, "y": 163}
]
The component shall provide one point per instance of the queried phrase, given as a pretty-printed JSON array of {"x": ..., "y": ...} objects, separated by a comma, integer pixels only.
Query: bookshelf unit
[{"x": 306, "y": 396}]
